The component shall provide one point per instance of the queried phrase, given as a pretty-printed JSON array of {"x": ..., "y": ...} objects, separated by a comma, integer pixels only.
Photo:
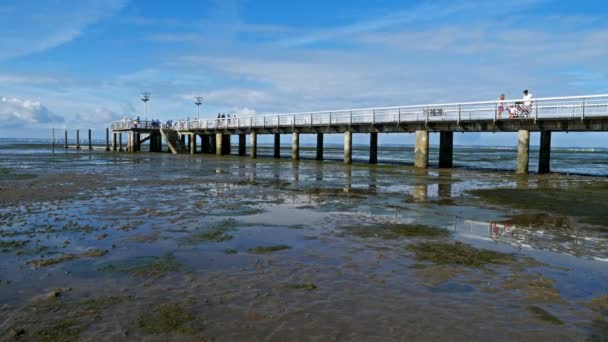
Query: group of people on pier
[{"x": 521, "y": 109}]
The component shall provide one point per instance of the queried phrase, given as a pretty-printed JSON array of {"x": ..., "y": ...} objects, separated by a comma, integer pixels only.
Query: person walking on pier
[{"x": 501, "y": 106}]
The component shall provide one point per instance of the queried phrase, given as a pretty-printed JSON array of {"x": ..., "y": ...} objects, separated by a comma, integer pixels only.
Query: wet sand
[{"x": 154, "y": 247}]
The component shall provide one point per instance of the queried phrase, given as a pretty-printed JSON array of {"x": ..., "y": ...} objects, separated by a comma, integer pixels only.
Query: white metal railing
[{"x": 542, "y": 108}]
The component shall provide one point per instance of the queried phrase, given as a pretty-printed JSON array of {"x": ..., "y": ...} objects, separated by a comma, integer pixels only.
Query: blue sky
[{"x": 69, "y": 64}]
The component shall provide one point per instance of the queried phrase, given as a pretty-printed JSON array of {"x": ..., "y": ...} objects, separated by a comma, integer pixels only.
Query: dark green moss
[
  {"x": 457, "y": 253},
  {"x": 167, "y": 318},
  {"x": 91, "y": 253},
  {"x": 268, "y": 249},
  {"x": 303, "y": 286},
  {"x": 395, "y": 231},
  {"x": 144, "y": 266},
  {"x": 544, "y": 315}
]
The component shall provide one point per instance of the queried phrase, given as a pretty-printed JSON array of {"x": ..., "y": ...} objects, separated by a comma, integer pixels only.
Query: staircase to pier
[{"x": 173, "y": 140}]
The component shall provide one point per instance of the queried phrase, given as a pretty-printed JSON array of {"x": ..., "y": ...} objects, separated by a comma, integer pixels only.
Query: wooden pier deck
[{"x": 545, "y": 115}]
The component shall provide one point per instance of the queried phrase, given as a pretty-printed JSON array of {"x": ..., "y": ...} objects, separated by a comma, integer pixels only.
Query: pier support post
[
  {"x": 544, "y": 157},
  {"x": 131, "y": 142},
  {"x": 78, "y": 139},
  {"x": 446, "y": 149},
  {"x": 226, "y": 144},
  {"x": 192, "y": 138},
  {"x": 523, "y": 152},
  {"x": 219, "y": 139},
  {"x": 107, "y": 139},
  {"x": 253, "y": 150},
  {"x": 295, "y": 146},
  {"x": 373, "y": 148},
  {"x": 319, "y": 146},
  {"x": 348, "y": 147},
  {"x": 120, "y": 142},
  {"x": 277, "y": 145},
  {"x": 242, "y": 144},
  {"x": 114, "y": 147},
  {"x": 90, "y": 142},
  {"x": 421, "y": 151},
  {"x": 65, "y": 139}
]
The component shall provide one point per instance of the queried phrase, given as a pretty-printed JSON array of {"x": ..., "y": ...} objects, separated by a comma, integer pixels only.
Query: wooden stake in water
[{"x": 53, "y": 140}]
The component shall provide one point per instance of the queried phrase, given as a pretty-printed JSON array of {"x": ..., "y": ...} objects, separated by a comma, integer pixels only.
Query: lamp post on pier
[
  {"x": 198, "y": 101},
  {"x": 145, "y": 97}
]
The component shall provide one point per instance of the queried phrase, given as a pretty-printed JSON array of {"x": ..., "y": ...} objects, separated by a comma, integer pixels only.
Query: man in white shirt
[{"x": 527, "y": 98}]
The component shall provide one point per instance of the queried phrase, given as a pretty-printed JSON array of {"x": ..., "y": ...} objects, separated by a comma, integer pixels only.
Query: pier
[{"x": 545, "y": 115}]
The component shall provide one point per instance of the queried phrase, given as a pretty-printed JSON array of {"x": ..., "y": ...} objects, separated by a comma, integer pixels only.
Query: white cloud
[{"x": 17, "y": 113}]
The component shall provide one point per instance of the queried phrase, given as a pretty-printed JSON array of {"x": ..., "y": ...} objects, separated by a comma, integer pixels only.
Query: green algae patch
[
  {"x": 303, "y": 286},
  {"x": 91, "y": 253},
  {"x": 216, "y": 233},
  {"x": 268, "y": 249},
  {"x": 144, "y": 266},
  {"x": 544, "y": 315},
  {"x": 12, "y": 245},
  {"x": 167, "y": 319},
  {"x": 584, "y": 201},
  {"x": 599, "y": 304},
  {"x": 396, "y": 231},
  {"x": 457, "y": 253},
  {"x": 535, "y": 287},
  {"x": 230, "y": 251},
  {"x": 10, "y": 175}
]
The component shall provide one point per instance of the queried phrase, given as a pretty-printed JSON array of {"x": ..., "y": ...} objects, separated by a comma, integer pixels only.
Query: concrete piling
[
  {"x": 348, "y": 147},
  {"x": 421, "y": 151},
  {"x": 78, "y": 139},
  {"x": 277, "y": 145},
  {"x": 242, "y": 144},
  {"x": 295, "y": 146},
  {"x": 114, "y": 146},
  {"x": 523, "y": 152},
  {"x": 373, "y": 148},
  {"x": 219, "y": 144},
  {"x": 544, "y": 157},
  {"x": 120, "y": 142},
  {"x": 253, "y": 150},
  {"x": 446, "y": 149},
  {"x": 319, "y": 146},
  {"x": 90, "y": 142},
  {"x": 192, "y": 143}
]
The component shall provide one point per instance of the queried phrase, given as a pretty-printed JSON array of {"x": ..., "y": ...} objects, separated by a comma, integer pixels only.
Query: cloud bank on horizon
[{"x": 69, "y": 64}]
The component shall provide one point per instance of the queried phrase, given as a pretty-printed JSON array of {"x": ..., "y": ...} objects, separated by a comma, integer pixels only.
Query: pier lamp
[
  {"x": 145, "y": 97},
  {"x": 198, "y": 101}
]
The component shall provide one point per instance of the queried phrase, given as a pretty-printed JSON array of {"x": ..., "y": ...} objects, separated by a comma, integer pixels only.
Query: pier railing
[{"x": 571, "y": 107}]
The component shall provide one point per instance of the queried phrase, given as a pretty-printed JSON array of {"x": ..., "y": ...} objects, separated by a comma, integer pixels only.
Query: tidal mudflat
[{"x": 154, "y": 246}]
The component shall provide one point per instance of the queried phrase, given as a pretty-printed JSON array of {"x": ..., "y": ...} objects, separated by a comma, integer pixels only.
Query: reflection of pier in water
[{"x": 564, "y": 241}]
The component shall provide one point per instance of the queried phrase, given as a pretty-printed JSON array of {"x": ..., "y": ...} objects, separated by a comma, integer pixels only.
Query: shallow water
[{"x": 122, "y": 247}]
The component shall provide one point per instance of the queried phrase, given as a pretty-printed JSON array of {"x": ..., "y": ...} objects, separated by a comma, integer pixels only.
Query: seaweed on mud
[
  {"x": 397, "y": 230},
  {"x": 544, "y": 315},
  {"x": 12, "y": 245},
  {"x": 68, "y": 317},
  {"x": 91, "y": 253},
  {"x": 216, "y": 233},
  {"x": 230, "y": 251},
  {"x": 10, "y": 175},
  {"x": 582, "y": 201},
  {"x": 535, "y": 287},
  {"x": 302, "y": 286},
  {"x": 268, "y": 249},
  {"x": 144, "y": 266},
  {"x": 599, "y": 304},
  {"x": 457, "y": 253},
  {"x": 167, "y": 318}
]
